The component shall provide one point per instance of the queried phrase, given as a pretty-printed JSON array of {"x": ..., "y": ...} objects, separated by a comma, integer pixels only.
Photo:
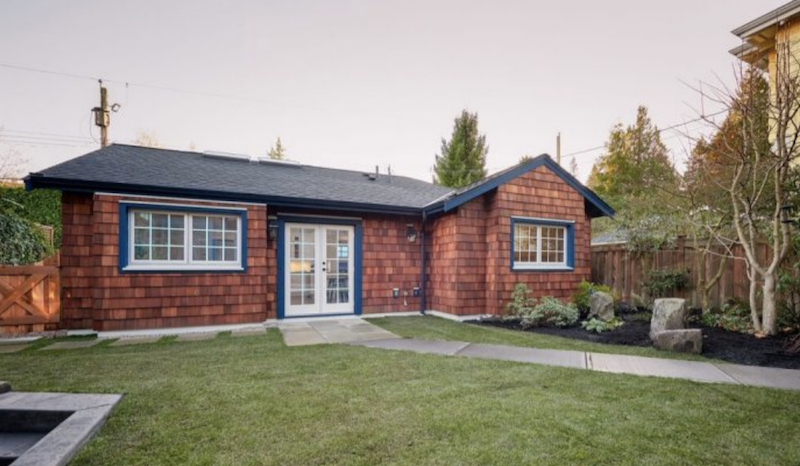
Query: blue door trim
[{"x": 357, "y": 264}]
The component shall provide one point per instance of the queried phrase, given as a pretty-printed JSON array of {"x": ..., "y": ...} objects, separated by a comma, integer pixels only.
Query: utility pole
[
  {"x": 558, "y": 148},
  {"x": 102, "y": 116}
]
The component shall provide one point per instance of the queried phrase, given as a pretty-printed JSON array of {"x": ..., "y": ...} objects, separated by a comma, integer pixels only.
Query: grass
[
  {"x": 435, "y": 328},
  {"x": 251, "y": 400}
]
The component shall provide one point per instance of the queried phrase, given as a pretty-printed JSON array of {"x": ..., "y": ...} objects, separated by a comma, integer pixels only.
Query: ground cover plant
[{"x": 254, "y": 401}]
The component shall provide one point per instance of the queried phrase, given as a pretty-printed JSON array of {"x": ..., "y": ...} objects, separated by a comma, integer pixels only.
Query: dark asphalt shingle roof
[{"x": 171, "y": 169}]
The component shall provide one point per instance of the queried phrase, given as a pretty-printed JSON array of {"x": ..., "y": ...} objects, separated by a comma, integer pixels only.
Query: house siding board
[{"x": 389, "y": 261}]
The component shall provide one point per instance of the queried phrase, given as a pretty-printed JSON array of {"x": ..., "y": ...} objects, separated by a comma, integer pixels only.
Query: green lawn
[
  {"x": 251, "y": 400},
  {"x": 435, "y": 328}
]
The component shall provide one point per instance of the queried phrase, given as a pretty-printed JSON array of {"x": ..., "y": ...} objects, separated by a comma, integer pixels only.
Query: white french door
[{"x": 319, "y": 269}]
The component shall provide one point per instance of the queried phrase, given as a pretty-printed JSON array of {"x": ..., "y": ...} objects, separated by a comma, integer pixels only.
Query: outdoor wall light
[
  {"x": 272, "y": 230},
  {"x": 411, "y": 233}
]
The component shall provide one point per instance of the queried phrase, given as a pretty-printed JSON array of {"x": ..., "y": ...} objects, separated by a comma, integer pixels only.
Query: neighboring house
[
  {"x": 765, "y": 35},
  {"x": 161, "y": 238},
  {"x": 772, "y": 43}
]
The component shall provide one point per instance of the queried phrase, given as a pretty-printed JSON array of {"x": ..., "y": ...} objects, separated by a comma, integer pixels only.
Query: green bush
[
  {"x": 661, "y": 282},
  {"x": 734, "y": 316},
  {"x": 600, "y": 326},
  {"x": 521, "y": 303},
  {"x": 551, "y": 312},
  {"x": 21, "y": 241},
  {"x": 42, "y": 206},
  {"x": 585, "y": 290}
]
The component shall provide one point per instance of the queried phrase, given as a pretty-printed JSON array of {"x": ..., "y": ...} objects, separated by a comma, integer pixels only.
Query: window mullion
[
  {"x": 187, "y": 238},
  {"x": 538, "y": 244}
]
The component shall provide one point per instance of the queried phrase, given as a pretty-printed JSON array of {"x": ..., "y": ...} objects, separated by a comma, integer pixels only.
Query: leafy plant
[
  {"x": 661, "y": 282},
  {"x": 22, "y": 241},
  {"x": 521, "y": 303},
  {"x": 734, "y": 316},
  {"x": 581, "y": 298},
  {"x": 41, "y": 206},
  {"x": 551, "y": 312},
  {"x": 600, "y": 326}
]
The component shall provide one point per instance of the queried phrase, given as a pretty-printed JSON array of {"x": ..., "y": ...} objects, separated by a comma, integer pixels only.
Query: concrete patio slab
[
  {"x": 447, "y": 348},
  {"x": 292, "y": 337},
  {"x": 67, "y": 345},
  {"x": 315, "y": 332},
  {"x": 18, "y": 340},
  {"x": 559, "y": 358},
  {"x": 673, "y": 368},
  {"x": 197, "y": 336},
  {"x": 12, "y": 348},
  {"x": 763, "y": 376},
  {"x": 134, "y": 341}
]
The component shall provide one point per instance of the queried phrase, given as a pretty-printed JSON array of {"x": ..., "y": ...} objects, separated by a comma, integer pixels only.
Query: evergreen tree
[
  {"x": 462, "y": 160},
  {"x": 277, "y": 152},
  {"x": 634, "y": 165}
]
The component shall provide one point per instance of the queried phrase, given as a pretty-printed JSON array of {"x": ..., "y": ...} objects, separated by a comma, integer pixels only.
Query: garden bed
[{"x": 738, "y": 348}]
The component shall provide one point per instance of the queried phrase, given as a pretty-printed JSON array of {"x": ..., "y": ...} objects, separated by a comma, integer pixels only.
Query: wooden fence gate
[{"x": 30, "y": 297}]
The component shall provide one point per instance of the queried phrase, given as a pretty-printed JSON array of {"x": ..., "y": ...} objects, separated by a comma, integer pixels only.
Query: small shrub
[
  {"x": 734, "y": 316},
  {"x": 521, "y": 302},
  {"x": 22, "y": 242},
  {"x": 551, "y": 312},
  {"x": 661, "y": 282},
  {"x": 581, "y": 298},
  {"x": 600, "y": 326}
]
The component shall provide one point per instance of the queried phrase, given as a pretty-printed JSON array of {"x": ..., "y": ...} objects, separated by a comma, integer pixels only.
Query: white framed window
[
  {"x": 541, "y": 245},
  {"x": 160, "y": 239}
]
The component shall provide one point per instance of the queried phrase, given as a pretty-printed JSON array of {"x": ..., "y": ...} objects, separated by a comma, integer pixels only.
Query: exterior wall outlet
[
  {"x": 415, "y": 291},
  {"x": 395, "y": 292}
]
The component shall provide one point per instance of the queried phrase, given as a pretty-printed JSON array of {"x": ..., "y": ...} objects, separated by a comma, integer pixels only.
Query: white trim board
[{"x": 184, "y": 199}]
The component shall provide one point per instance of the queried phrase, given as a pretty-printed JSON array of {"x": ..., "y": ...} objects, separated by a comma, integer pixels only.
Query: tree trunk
[
  {"x": 769, "y": 307},
  {"x": 753, "y": 276}
]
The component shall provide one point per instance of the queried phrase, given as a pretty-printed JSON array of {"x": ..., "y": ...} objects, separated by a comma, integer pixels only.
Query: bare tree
[
  {"x": 12, "y": 163},
  {"x": 147, "y": 139},
  {"x": 757, "y": 162}
]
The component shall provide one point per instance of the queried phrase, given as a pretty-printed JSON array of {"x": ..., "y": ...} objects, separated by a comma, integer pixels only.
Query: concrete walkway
[
  {"x": 613, "y": 363},
  {"x": 316, "y": 332}
]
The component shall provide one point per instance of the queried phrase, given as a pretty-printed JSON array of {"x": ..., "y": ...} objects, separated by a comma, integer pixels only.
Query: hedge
[
  {"x": 21, "y": 241},
  {"x": 42, "y": 206}
]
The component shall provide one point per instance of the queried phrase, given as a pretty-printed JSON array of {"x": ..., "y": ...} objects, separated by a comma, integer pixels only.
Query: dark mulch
[{"x": 739, "y": 348}]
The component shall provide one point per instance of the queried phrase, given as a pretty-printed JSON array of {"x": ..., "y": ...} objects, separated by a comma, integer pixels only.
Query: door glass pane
[
  {"x": 337, "y": 260},
  {"x": 302, "y": 255}
]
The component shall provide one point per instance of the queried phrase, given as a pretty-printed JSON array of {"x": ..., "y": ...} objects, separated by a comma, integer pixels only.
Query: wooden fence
[
  {"x": 30, "y": 297},
  {"x": 612, "y": 265}
]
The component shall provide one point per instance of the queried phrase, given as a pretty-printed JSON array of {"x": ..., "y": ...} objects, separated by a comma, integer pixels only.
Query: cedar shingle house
[{"x": 162, "y": 238}]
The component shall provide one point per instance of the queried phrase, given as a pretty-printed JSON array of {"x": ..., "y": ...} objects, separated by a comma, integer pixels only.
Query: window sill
[
  {"x": 542, "y": 268},
  {"x": 178, "y": 269}
]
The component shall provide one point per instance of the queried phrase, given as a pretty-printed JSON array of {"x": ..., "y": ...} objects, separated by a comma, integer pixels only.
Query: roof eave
[
  {"x": 596, "y": 207},
  {"x": 38, "y": 181},
  {"x": 769, "y": 19}
]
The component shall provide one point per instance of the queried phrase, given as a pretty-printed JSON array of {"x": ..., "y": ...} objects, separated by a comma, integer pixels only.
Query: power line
[
  {"x": 217, "y": 95},
  {"x": 661, "y": 130}
]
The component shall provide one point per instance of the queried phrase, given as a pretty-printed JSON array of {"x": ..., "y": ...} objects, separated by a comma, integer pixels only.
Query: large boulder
[
  {"x": 668, "y": 314},
  {"x": 601, "y": 306},
  {"x": 681, "y": 341}
]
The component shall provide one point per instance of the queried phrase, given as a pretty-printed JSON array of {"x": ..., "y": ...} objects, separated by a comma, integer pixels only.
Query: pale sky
[{"x": 354, "y": 84}]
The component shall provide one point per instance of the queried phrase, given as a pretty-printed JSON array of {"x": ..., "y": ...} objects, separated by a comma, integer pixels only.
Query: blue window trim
[
  {"x": 570, "y": 243},
  {"x": 357, "y": 241},
  {"x": 125, "y": 206}
]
